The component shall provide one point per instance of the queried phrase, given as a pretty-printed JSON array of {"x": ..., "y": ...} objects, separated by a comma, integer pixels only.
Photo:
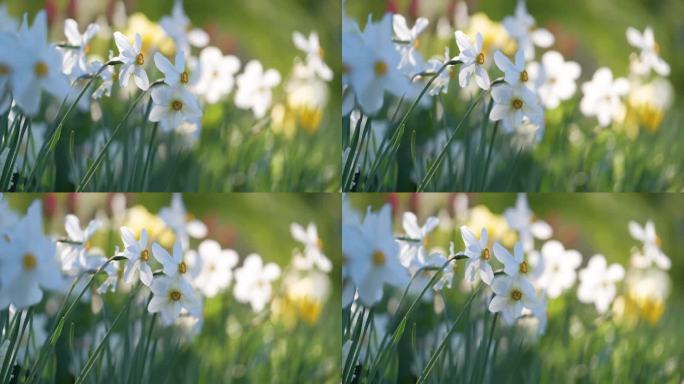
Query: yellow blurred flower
[
  {"x": 307, "y": 96},
  {"x": 497, "y": 228},
  {"x": 153, "y": 36},
  {"x": 139, "y": 218},
  {"x": 494, "y": 35},
  {"x": 647, "y": 292},
  {"x": 283, "y": 121},
  {"x": 304, "y": 296},
  {"x": 647, "y": 105}
]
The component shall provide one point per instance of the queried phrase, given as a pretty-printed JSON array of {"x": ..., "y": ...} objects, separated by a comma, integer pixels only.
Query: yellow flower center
[
  {"x": 321, "y": 52},
  {"x": 523, "y": 76},
  {"x": 29, "y": 261},
  {"x": 87, "y": 245},
  {"x": 517, "y": 103},
  {"x": 523, "y": 267},
  {"x": 658, "y": 241},
  {"x": 480, "y": 59},
  {"x": 184, "y": 78},
  {"x": 656, "y": 48},
  {"x": 140, "y": 59},
  {"x": 516, "y": 294},
  {"x": 182, "y": 268},
  {"x": 176, "y": 105},
  {"x": 416, "y": 43},
  {"x": 41, "y": 69},
  {"x": 86, "y": 49},
  {"x": 380, "y": 68},
  {"x": 378, "y": 258},
  {"x": 485, "y": 254},
  {"x": 175, "y": 295},
  {"x": 319, "y": 243},
  {"x": 4, "y": 69},
  {"x": 426, "y": 242},
  {"x": 145, "y": 255}
]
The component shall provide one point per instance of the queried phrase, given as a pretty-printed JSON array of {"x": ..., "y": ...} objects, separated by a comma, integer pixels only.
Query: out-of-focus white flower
[
  {"x": 112, "y": 271},
  {"x": 559, "y": 272},
  {"x": 75, "y": 60},
  {"x": 181, "y": 222},
  {"x": 107, "y": 76},
  {"x": 175, "y": 264},
  {"x": 179, "y": 28},
  {"x": 371, "y": 63},
  {"x": 414, "y": 251},
  {"x": 253, "y": 282},
  {"x": 521, "y": 218},
  {"x": 521, "y": 27},
  {"x": 649, "y": 57},
  {"x": 170, "y": 296},
  {"x": 174, "y": 105},
  {"x": 473, "y": 57},
  {"x": 441, "y": 82},
  {"x": 138, "y": 256},
  {"x": 72, "y": 253},
  {"x": 424, "y": 272},
  {"x": 254, "y": 88},
  {"x": 372, "y": 254},
  {"x": 313, "y": 248},
  {"x": 652, "y": 253},
  {"x": 408, "y": 38},
  {"x": 478, "y": 256},
  {"x": 514, "y": 73},
  {"x": 29, "y": 262},
  {"x": 603, "y": 97},
  {"x": 515, "y": 264},
  {"x": 512, "y": 104},
  {"x": 314, "y": 54},
  {"x": 512, "y": 294},
  {"x": 174, "y": 74},
  {"x": 133, "y": 60},
  {"x": 215, "y": 268},
  {"x": 35, "y": 66},
  {"x": 597, "y": 282},
  {"x": 217, "y": 74},
  {"x": 554, "y": 78}
]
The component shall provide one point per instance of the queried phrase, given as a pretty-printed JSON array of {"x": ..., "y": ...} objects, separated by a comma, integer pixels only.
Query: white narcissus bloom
[
  {"x": 423, "y": 273},
  {"x": 75, "y": 60},
  {"x": 253, "y": 282},
  {"x": 372, "y": 255},
  {"x": 174, "y": 74},
  {"x": 441, "y": 82},
  {"x": 175, "y": 264},
  {"x": 473, "y": 58},
  {"x": 254, "y": 88},
  {"x": 72, "y": 253},
  {"x": 515, "y": 264},
  {"x": 521, "y": 219},
  {"x": 512, "y": 104},
  {"x": 179, "y": 28},
  {"x": 478, "y": 256},
  {"x": 597, "y": 282},
  {"x": 215, "y": 268},
  {"x": 652, "y": 253},
  {"x": 514, "y": 73},
  {"x": 170, "y": 296},
  {"x": 174, "y": 105},
  {"x": 313, "y": 248},
  {"x": 559, "y": 268},
  {"x": 603, "y": 97},
  {"x": 217, "y": 74},
  {"x": 408, "y": 38},
  {"x": 649, "y": 57},
  {"x": 414, "y": 251},
  {"x": 512, "y": 294},
  {"x": 371, "y": 63},
  {"x": 107, "y": 76},
  {"x": 35, "y": 65},
  {"x": 554, "y": 78},
  {"x": 133, "y": 60},
  {"x": 28, "y": 264},
  {"x": 314, "y": 54},
  {"x": 138, "y": 256},
  {"x": 185, "y": 225},
  {"x": 520, "y": 26}
]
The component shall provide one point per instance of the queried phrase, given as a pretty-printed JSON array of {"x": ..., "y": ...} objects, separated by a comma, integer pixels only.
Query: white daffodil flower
[
  {"x": 597, "y": 282},
  {"x": 652, "y": 253},
  {"x": 28, "y": 264},
  {"x": 75, "y": 60},
  {"x": 473, "y": 61},
  {"x": 133, "y": 60},
  {"x": 217, "y": 74},
  {"x": 511, "y": 296},
  {"x": 174, "y": 74},
  {"x": 313, "y": 248},
  {"x": 174, "y": 105},
  {"x": 408, "y": 38},
  {"x": 138, "y": 256},
  {"x": 254, "y": 88},
  {"x": 554, "y": 78},
  {"x": 603, "y": 97},
  {"x": 520, "y": 26},
  {"x": 175, "y": 264},
  {"x": 215, "y": 268},
  {"x": 72, "y": 254},
  {"x": 253, "y": 282},
  {"x": 515, "y": 264},
  {"x": 371, "y": 63},
  {"x": 35, "y": 66},
  {"x": 514, "y": 73},
  {"x": 179, "y": 28},
  {"x": 171, "y": 295},
  {"x": 441, "y": 82},
  {"x": 478, "y": 256},
  {"x": 512, "y": 104},
  {"x": 520, "y": 218},
  {"x": 649, "y": 57},
  {"x": 112, "y": 271},
  {"x": 423, "y": 273},
  {"x": 181, "y": 222},
  {"x": 414, "y": 251},
  {"x": 314, "y": 54},
  {"x": 559, "y": 268},
  {"x": 107, "y": 76}
]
